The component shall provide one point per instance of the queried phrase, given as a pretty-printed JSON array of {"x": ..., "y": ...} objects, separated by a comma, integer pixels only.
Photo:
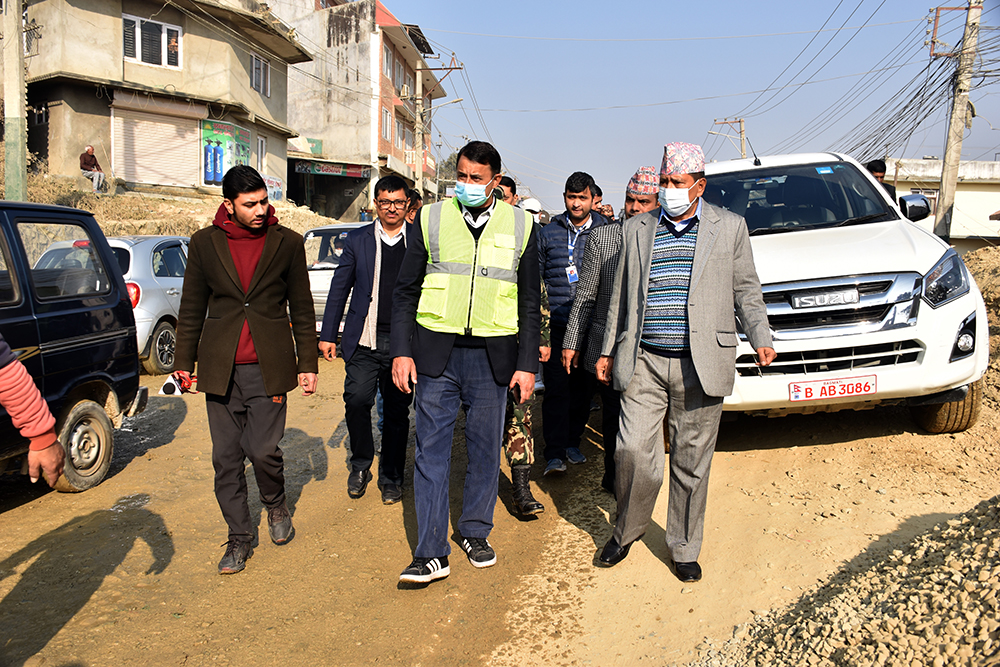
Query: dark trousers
[
  {"x": 246, "y": 423},
  {"x": 611, "y": 409},
  {"x": 467, "y": 382},
  {"x": 367, "y": 371},
  {"x": 565, "y": 402}
]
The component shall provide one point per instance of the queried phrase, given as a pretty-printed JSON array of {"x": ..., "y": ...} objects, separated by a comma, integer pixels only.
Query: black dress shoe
[
  {"x": 357, "y": 482},
  {"x": 391, "y": 493},
  {"x": 613, "y": 553},
  {"x": 688, "y": 571}
]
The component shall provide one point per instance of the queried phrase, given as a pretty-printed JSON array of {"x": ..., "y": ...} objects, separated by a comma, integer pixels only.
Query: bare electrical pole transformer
[{"x": 958, "y": 120}]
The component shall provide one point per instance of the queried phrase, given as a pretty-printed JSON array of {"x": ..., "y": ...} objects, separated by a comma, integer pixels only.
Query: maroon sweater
[{"x": 246, "y": 247}]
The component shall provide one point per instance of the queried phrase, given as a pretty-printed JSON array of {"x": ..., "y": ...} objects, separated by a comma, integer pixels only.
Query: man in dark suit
[
  {"x": 686, "y": 271},
  {"x": 465, "y": 329},
  {"x": 246, "y": 279},
  {"x": 369, "y": 266}
]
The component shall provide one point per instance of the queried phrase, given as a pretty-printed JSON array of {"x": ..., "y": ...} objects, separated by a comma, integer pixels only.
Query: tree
[{"x": 446, "y": 170}]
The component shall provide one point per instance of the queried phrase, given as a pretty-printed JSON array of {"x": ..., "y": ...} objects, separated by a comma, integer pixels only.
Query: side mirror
[{"x": 914, "y": 207}]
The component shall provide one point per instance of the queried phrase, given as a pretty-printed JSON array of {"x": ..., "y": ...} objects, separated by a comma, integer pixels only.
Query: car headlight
[{"x": 947, "y": 281}]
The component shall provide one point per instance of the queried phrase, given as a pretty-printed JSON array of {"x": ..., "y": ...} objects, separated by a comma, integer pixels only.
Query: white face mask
[{"x": 675, "y": 201}]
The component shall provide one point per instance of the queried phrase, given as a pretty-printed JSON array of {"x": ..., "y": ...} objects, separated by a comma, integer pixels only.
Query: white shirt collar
[
  {"x": 484, "y": 216},
  {"x": 390, "y": 240}
]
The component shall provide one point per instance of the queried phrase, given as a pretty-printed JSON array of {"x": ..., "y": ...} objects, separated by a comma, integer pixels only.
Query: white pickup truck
[{"x": 866, "y": 307}]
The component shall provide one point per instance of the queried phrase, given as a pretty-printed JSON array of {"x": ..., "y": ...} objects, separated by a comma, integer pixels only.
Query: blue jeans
[{"x": 468, "y": 382}]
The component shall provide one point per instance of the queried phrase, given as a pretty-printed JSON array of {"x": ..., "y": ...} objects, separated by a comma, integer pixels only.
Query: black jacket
[{"x": 431, "y": 350}]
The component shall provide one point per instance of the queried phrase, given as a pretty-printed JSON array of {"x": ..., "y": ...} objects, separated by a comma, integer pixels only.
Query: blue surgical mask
[
  {"x": 471, "y": 194},
  {"x": 675, "y": 201}
]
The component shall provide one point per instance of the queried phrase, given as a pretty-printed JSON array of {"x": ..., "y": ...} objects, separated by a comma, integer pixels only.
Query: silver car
[
  {"x": 323, "y": 248},
  {"x": 153, "y": 268}
]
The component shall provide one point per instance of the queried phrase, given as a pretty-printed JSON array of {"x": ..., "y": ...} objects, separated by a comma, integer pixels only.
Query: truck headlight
[{"x": 947, "y": 281}]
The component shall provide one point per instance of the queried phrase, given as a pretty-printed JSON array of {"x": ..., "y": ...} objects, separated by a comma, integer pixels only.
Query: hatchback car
[{"x": 153, "y": 268}]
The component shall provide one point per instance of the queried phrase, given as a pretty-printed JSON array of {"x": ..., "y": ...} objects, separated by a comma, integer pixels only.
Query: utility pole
[
  {"x": 418, "y": 125},
  {"x": 957, "y": 124},
  {"x": 15, "y": 121},
  {"x": 743, "y": 133}
]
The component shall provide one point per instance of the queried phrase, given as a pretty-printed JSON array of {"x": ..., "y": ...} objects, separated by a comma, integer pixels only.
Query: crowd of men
[{"x": 454, "y": 306}]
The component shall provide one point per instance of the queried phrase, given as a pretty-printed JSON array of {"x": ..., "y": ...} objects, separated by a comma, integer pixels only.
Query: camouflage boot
[{"x": 523, "y": 500}]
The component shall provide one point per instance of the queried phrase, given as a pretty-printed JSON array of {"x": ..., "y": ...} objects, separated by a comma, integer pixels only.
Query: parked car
[
  {"x": 153, "y": 268},
  {"x": 323, "y": 248},
  {"x": 64, "y": 311},
  {"x": 865, "y": 307}
]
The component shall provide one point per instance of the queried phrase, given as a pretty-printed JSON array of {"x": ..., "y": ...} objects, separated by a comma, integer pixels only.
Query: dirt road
[{"x": 125, "y": 574}]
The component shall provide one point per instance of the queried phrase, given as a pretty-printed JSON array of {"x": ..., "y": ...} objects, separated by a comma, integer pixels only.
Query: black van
[{"x": 65, "y": 312}]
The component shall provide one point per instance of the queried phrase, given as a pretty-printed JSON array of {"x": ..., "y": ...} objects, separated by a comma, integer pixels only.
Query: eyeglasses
[{"x": 392, "y": 203}]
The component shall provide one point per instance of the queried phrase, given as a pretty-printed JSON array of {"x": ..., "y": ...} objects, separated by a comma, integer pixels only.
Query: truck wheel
[
  {"x": 161, "y": 350},
  {"x": 951, "y": 417},
  {"x": 87, "y": 436}
]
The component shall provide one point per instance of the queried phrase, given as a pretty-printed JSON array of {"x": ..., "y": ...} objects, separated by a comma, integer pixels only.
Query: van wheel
[
  {"x": 161, "y": 350},
  {"x": 87, "y": 436},
  {"x": 951, "y": 417}
]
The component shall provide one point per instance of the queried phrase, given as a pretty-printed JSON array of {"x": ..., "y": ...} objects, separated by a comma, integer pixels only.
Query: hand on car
[{"x": 47, "y": 462}]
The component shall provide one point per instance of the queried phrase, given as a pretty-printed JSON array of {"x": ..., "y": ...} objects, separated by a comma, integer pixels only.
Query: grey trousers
[{"x": 694, "y": 417}]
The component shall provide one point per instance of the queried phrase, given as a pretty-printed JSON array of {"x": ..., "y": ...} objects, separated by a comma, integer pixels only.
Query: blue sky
[{"x": 686, "y": 64}]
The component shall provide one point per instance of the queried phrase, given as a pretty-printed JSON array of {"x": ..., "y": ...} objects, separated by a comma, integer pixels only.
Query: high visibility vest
[{"x": 471, "y": 287}]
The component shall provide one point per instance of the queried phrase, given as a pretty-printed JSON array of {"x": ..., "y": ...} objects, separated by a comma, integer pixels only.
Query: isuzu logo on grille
[{"x": 824, "y": 299}]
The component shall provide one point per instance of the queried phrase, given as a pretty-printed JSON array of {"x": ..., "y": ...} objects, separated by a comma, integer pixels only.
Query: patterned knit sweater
[{"x": 665, "y": 326}]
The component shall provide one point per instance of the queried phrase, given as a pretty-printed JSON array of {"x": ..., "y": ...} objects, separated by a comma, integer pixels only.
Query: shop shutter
[{"x": 156, "y": 149}]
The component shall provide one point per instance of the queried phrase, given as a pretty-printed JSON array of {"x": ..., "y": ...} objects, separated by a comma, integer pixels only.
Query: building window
[
  {"x": 260, "y": 75},
  {"x": 409, "y": 139},
  {"x": 409, "y": 86},
  {"x": 400, "y": 133},
  {"x": 387, "y": 61},
  {"x": 386, "y": 124},
  {"x": 261, "y": 153},
  {"x": 40, "y": 114},
  {"x": 150, "y": 42},
  {"x": 398, "y": 81}
]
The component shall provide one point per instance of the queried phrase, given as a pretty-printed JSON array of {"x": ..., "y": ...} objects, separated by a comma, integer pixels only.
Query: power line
[{"x": 660, "y": 39}]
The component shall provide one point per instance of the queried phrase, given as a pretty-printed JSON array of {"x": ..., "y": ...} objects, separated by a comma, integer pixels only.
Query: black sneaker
[
  {"x": 279, "y": 524},
  {"x": 424, "y": 570},
  {"x": 236, "y": 557},
  {"x": 480, "y": 552}
]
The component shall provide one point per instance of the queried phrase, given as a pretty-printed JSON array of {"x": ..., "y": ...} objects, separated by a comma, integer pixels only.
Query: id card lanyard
[{"x": 571, "y": 241}]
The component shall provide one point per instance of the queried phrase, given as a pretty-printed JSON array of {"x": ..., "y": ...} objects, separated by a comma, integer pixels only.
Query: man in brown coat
[{"x": 246, "y": 278}]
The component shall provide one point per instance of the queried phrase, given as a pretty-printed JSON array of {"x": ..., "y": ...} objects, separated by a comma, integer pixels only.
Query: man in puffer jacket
[
  {"x": 31, "y": 416},
  {"x": 566, "y": 402}
]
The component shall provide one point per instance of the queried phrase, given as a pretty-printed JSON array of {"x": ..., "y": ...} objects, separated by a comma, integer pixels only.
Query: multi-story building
[
  {"x": 169, "y": 94},
  {"x": 355, "y": 104}
]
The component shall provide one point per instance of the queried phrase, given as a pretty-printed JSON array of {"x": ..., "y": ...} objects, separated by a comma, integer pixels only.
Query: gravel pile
[{"x": 935, "y": 602}]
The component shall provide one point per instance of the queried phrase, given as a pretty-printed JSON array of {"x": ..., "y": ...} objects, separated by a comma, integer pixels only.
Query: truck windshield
[{"x": 792, "y": 198}]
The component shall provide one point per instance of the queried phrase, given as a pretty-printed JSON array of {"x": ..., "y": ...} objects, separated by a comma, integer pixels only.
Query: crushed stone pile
[
  {"x": 935, "y": 602},
  {"x": 984, "y": 265}
]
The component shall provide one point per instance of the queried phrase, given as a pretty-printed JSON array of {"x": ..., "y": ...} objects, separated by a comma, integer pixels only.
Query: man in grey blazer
[{"x": 671, "y": 341}]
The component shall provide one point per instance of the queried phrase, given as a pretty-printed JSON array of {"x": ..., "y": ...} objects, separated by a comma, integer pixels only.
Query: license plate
[
  {"x": 824, "y": 299},
  {"x": 817, "y": 390}
]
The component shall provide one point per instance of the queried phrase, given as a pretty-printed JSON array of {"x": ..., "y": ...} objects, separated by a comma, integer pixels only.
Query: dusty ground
[{"x": 125, "y": 573}]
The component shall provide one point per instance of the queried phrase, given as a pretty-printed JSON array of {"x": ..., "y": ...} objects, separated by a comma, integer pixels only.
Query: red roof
[{"x": 384, "y": 17}]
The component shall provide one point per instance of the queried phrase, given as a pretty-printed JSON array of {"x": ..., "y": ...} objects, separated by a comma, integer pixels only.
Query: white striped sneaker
[
  {"x": 478, "y": 549},
  {"x": 424, "y": 570}
]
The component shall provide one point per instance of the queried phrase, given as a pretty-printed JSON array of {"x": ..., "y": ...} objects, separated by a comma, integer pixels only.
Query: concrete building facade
[
  {"x": 354, "y": 105},
  {"x": 168, "y": 94},
  {"x": 976, "y": 197}
]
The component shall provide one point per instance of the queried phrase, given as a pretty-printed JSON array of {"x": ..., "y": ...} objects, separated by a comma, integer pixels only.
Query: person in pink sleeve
[{"x": 31, "y": 416}]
